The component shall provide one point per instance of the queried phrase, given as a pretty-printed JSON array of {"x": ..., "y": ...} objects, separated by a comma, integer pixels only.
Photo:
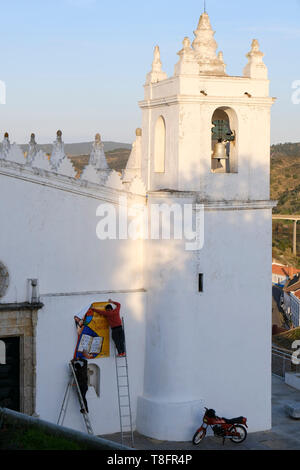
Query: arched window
[
  {"x": 224, "y": 141},
  {"x": 2, "y": 352},
  {"x": 160, "y": 145}
]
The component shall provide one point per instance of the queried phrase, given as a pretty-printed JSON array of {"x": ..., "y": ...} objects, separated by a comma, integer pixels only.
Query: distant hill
[
  {"x": 285, "y": 188},
  {"x": 117, "y": 153},
  {"x": 286, "y": 150},
  {"x": 81, "y": 148},
  {"x": 285, "y": 183},
  {"x": 116, "y": 159}
]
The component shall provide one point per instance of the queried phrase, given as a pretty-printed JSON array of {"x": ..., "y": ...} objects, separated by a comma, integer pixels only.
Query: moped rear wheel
[
  {"x": 199, "y": 436},
  {"x": 242, "y": 433}
]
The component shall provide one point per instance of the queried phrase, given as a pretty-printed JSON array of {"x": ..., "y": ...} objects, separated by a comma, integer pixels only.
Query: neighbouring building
[
  {"x": 191, "y": 305},
  {"x": 291, "y": 285},
  {"x": 295, "y": 308},
  {"x": 281, "y": 273}
]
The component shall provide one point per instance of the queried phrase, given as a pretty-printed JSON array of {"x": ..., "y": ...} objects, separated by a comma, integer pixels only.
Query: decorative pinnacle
[
  {"x": 156, "y": 73},
  {"x": 255, "y": 45},
  {"x": 156, "y": 64},
  {"x": 255, "y": 67},
  {"x": 205, "y": 47}
]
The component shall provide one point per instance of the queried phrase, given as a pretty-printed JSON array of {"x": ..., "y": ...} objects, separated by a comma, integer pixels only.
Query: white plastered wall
[{"x": 48, "y": 232}]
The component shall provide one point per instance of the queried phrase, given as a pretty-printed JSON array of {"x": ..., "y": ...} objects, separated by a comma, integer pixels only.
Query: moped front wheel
[
  {"x": 241, "y": 431},
  {"x": 199, "y": 436}
]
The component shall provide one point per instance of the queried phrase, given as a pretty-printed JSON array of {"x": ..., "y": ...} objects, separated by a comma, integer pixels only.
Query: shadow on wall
[{"x": 189, "y": 325}]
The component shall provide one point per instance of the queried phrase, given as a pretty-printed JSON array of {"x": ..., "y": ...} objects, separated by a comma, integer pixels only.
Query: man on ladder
[
  {"x": 73, "y": 381},
  {"x": 81, "y": 371},
  {"x": 79, "y": 380},
  {"x": 79, "y": 376},
  {"x": 115, "y": 322}
]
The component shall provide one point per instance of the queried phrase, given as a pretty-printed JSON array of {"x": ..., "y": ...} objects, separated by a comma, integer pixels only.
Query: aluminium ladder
[
  {"x": 124, "y": 395},
  {"x": 73, "y": 382}
]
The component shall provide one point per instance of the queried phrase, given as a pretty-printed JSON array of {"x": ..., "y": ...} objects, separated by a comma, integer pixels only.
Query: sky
[{"x": 80, "y": 65}]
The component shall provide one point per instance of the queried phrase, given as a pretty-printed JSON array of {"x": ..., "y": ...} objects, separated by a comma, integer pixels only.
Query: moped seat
[{"x": 238, "y": 420}]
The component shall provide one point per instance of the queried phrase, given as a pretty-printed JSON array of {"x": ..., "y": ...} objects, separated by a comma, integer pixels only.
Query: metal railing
[{"x": 282, "y": 363}]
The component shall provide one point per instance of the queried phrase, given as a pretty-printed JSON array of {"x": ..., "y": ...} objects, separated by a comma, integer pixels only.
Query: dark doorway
[{"x": 10, "y": 373}]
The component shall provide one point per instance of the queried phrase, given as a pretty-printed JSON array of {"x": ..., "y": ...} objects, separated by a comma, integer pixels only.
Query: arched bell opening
[{"x": 223, "y": 141}]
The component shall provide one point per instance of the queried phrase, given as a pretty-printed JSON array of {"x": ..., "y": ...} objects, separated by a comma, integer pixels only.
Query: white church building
[{"x": 197, "y": 312}]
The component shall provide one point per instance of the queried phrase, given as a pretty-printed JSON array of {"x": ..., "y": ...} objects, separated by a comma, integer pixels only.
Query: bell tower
[
  {"x": 206, "y": 143},
  {"x": 206, "y": 131}
]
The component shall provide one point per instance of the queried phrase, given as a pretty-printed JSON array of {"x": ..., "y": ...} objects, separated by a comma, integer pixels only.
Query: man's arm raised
[{"x": 114, "y": 302}]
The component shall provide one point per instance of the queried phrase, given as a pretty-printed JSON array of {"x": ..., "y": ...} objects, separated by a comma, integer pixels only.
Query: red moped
[{"x": 233, "y": 429}]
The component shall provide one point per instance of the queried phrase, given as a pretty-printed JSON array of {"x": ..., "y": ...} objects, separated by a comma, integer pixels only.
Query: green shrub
[{"x": 30, "y": 438}]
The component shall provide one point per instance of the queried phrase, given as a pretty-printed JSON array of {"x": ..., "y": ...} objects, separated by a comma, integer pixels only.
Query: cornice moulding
[{"x": 187, "y": 99}]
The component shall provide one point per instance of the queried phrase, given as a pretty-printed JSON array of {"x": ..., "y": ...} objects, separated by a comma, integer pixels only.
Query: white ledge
[
  {"x": 186, "y": 99},
  {"x": 213, "y": 205},
  {"x": 64, "y": 183},
  {"x": 96, "y": 292}
]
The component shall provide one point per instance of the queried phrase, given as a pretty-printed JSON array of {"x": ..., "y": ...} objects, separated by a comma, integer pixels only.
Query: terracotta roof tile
[{"x": 288, "y": 271}]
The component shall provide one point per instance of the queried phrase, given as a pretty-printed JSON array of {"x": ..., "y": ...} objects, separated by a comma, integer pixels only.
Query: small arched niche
[
  {"x": 94, "y": 377},
  {"x": 2, "y": 352},
  {"x": 224, "y": 141},
  {"x": 160, "y": 145}
]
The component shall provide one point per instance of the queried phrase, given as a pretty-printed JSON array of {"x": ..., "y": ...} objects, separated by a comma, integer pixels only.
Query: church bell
[{"x": 220, "y": 151}]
